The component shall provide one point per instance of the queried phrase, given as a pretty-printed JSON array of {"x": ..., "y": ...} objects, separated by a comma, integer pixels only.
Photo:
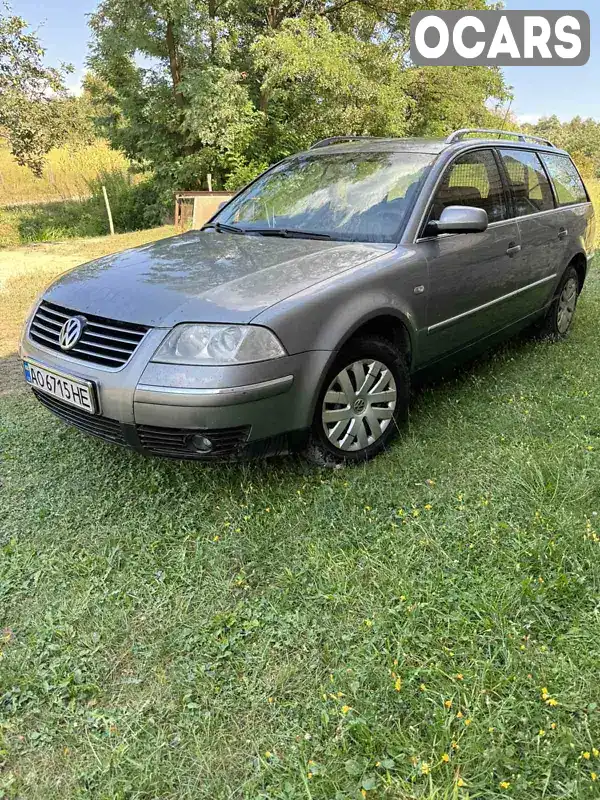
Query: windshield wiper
[
  {"x": 289, "y": 233},
  {"x": 222, "y": 227}
]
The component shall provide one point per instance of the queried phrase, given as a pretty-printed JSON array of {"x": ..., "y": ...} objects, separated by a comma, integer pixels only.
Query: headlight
[{"x": 216, "y": 345}]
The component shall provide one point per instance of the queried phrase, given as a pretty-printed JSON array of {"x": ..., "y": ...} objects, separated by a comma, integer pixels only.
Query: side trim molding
[{"x": 444, "y": 323}]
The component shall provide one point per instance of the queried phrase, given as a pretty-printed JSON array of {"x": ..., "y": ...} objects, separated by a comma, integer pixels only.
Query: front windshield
[{"x": 361, "y": 197}]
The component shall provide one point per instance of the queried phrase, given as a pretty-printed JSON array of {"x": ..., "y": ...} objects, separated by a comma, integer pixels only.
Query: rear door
[
  {"x": 470, "y": 275},
  {"x": 576, "y": 228},
  {"x": 540, "y": 225}
]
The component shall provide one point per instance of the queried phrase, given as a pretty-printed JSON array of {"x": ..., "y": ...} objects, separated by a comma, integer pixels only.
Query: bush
[{"x": 134, "y": 206}]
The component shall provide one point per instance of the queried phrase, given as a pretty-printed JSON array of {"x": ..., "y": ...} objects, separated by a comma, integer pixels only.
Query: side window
[
  {"x": 567, "y": 182},
  {"x": 472, "y": 180},
  {"x": 528, "y": 182}
]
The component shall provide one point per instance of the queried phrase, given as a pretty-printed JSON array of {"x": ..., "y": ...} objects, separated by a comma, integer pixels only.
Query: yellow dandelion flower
[
  {"x": 268, "y": 754},
  {"x": 346, "y": 709},
  {"x": 340, "y": 694},
  {"x": 267, "y": 510},
  {"x": 216, "y": 538},
  {"x": 309, "y": 776},
  {"x": 425, "y": 769},
  {"x": 504, "y": 784},
  {"x": 428, "y": 506},
  {"x": 415, "y": 512},
  {"x": 445, "y": 758},
  {"x": 468, "y": 721},
  {"x": 593, "y": 776},
  {"x": 551, "y": 702},
  {"x": 544, "y": 691},
  {"x": 363, "y": 792},
  {"x": 460, "y": 677},
  {"x": 398, "y": 684},
  {"x": 270, "y": 699},
  {"x": 422, "y": 687},
  {"x": 541, "y": 732},
  {"x": 460, "y": 783},
  {"x": 448, "y": 703},
  {"x": 586, "y": 755},
  {"x": 595, "y": 752},
  {"x": 460, "y": 715},
  {"x": 553, "y": 725}
]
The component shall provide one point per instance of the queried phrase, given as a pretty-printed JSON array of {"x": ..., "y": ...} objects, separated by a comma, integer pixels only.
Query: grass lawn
[{"x": 426, "y": 626}]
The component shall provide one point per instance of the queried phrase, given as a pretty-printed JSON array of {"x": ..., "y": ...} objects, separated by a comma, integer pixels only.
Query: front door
[{"x": 471, "y": 276}]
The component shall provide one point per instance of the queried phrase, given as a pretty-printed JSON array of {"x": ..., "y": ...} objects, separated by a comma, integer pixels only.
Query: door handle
[
  {"x": 513, "y": 249},
  {"x": 563, "y": 233}
]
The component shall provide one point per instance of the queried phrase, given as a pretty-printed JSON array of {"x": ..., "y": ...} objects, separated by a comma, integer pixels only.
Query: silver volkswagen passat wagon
[{"x": 295, "y": 318}]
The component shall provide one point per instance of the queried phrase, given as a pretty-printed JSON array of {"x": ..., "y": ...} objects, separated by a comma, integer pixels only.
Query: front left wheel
[{"x": 362, "y": 405}]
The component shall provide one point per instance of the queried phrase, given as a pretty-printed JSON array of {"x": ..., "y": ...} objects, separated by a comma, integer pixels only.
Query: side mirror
[{"x": 459, "y": 219}]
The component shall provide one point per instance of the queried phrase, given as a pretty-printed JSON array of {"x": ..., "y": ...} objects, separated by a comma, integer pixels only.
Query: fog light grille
[{"x": 183, "y": 442}]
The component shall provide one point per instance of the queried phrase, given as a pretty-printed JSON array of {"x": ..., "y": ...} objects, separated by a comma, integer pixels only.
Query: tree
[
  {"x": 186, "y": 87},
  {"x": 36, "y": 113},
  {"x": 581, "y": 137}
]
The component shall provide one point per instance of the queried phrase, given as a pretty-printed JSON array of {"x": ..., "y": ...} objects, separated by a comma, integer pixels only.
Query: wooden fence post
[{"x": 110, "y": 219}]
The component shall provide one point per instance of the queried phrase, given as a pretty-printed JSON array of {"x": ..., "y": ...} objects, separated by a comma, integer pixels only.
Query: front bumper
[{"x": 245, "y": 410}]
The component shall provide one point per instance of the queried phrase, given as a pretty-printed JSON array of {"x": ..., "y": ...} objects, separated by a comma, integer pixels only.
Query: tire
[
  {"x": 362, "y": 405},
  {"x": 559, "y": 317}
]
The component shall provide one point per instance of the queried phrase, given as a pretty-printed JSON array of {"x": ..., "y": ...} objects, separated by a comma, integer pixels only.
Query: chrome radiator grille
[{"x": 105, "y": 342}]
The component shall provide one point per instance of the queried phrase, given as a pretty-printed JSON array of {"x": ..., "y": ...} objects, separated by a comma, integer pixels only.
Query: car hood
[{"x": 204, "y": 276}]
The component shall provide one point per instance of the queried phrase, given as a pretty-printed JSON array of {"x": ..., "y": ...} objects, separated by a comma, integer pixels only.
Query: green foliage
[
  {"x": 186, "y": 89},
  {"x": 581, "y": 137},
  {"x": 134, "y": 206},
  {"x": 36, "y": 113}
]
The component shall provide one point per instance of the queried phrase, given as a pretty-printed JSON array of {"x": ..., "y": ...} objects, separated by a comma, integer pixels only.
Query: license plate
[{"x": 73, "y": 391}]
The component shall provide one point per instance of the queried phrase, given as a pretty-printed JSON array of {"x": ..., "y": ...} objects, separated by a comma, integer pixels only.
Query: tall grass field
[
  {"x": 66, "y": 176},
  {"x": 67, "y": 201}
]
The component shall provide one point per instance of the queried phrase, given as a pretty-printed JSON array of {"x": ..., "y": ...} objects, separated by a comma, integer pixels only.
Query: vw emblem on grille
[{"x": 70, "y": 333}]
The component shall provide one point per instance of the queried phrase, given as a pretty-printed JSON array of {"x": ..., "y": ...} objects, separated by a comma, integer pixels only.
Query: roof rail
[
  {"x": 337, "y": 139},
  {"x": 522, "y": 137}
]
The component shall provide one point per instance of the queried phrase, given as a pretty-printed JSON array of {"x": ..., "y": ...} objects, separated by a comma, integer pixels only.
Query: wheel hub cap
[
  {"x": 566, "y": 305},
  {"x": 359, "y": 405}
]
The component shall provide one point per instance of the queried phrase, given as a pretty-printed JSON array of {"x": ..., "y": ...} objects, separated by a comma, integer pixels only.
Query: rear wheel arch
[{"x": 579, "y": 262}]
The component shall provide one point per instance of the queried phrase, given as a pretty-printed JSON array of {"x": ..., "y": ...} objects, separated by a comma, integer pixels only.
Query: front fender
[{"x": 325, "y": 316}]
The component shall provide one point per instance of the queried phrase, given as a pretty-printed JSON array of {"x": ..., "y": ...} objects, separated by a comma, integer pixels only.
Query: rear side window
[
  {"x": 528, "y": 182},
  {"x": 472, "y": 180},
  {"x": 567, "y": 183}
]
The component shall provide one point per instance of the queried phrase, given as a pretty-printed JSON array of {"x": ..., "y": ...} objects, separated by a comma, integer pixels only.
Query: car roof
[{"x": 425, "y": 146}]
